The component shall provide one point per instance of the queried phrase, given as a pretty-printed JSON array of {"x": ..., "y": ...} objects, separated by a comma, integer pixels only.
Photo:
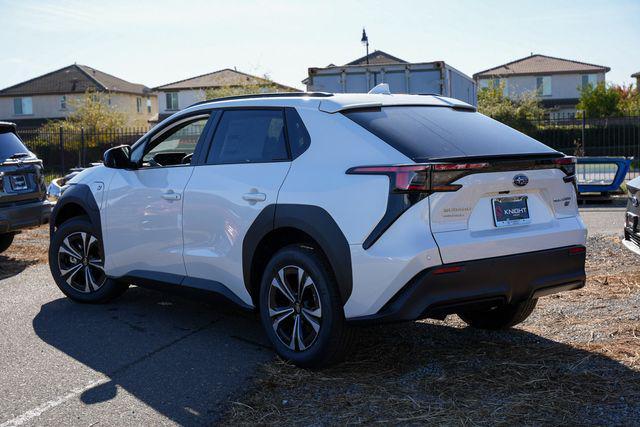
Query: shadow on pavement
[
  {"x": 10, "y": 266},
  {"x": 182, "y": 358}
]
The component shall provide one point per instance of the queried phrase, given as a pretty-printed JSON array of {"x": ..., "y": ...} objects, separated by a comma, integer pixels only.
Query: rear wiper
[{"x": 19, "y": 155}]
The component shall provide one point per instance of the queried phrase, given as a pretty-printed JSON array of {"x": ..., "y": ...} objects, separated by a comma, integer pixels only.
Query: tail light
[
  {"x": 567, "y": 164},
  {"x": 421, "y": 179}
]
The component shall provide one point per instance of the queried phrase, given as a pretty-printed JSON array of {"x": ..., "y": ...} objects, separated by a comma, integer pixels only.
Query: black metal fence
[
  {"x": 594, "y": 137},
  {"x": 62, "y": 150}
]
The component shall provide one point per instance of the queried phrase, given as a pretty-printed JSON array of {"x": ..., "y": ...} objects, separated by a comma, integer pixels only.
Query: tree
[
  {"x": 599, "y": 101},
  {"x": 91, "y": 111},
  {"x": 520, "y": 113},
  {"x": 629, "y": 103}
]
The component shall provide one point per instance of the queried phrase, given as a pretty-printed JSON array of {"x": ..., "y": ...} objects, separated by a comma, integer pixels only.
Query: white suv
[{"x": 325, "y": 211}]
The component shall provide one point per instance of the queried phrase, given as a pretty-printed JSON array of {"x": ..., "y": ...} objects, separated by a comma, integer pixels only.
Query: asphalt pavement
[
  {"x": 148, "y": 358},
  {"x": 604, "y": 218}
]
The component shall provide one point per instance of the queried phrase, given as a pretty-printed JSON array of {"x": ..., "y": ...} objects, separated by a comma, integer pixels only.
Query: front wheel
[
  {"x": 301, "y": 310},
  {"x": 76, "y": 260},
  {"x": 502, "y": 317}
]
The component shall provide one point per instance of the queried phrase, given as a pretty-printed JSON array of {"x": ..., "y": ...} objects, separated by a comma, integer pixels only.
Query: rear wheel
[
  {"x": 300, "y": 309},
  {"x": 76, "y": 260},
  {"x": 6, "y": 240},
  {"x": 501, "y": 317}
]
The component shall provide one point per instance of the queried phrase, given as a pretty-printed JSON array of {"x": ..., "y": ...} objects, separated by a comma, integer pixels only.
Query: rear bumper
[
  {"x": 17, "y": 217},
  {"x": 500, "y": 280}
]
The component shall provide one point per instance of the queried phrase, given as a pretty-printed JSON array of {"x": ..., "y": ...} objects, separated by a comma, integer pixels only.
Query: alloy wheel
[
  {"x": 81, "y": 262},
  {"x": 294, "y": 308}
]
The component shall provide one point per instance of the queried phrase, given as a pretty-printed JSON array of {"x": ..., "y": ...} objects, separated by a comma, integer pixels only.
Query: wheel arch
[
  {"x": 76, "y": 201},
  {"x": 278, "y": 226}
]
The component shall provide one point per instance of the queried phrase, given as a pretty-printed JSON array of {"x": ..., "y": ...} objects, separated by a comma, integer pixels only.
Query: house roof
[
  {"x": 73, "y": 79},
  {"x": 541, "y": 64},
  {"x": 636, "y": 74},
  {"x": 221, "y": 78},
  {"x": 377, "y": 57}
]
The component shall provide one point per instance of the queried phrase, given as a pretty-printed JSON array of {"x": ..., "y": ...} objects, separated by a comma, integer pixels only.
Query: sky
[{"x": 158, "y": 42}]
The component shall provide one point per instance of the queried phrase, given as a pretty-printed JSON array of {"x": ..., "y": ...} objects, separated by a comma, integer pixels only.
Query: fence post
[
  {"x": 61, "y": 152},
  {"x": 584, "y": 143},
  {"x": 83, "y": 153}
]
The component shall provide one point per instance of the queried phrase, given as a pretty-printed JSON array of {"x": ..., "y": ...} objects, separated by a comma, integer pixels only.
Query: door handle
[
  {"x": 171, "y": 196},
  {"x": 254, "y": 197}
]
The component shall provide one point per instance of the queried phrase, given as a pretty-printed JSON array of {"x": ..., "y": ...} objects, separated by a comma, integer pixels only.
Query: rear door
[{"x": 245, "y": 167}]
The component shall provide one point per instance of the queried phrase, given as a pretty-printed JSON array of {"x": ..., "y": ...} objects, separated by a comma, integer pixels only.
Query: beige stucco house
[
  {"x": 51, "y": 96},
  {"x": 556, "y": 81},
  {"x": 175, "y": 96}
]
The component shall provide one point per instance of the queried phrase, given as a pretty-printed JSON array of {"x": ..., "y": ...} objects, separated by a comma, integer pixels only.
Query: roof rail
[{"x": 267, "y": 95}]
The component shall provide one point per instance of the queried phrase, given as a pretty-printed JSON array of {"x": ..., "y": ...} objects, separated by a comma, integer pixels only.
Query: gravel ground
[{"x": 576, "y": 361}]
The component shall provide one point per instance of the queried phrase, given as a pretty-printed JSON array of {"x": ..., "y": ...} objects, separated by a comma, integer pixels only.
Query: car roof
[{"x": 330, "y": 103}]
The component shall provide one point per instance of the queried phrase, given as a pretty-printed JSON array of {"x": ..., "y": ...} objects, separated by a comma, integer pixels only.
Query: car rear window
[
  {"x": 10, "y": 144},
  {"x": 426, "y": 133}
]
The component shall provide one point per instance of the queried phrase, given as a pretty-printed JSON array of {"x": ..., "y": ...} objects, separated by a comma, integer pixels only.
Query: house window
[
  {"x": 172, "y": 100},
  {"x": 589, "y": 79},
  {"x": 63, "y": 102},
  {"x": 22, "y": 106},
  {"x": 139, "y": 105},
  {"x": 543, "y": 85},
  {"x": 148, "y": 105}
]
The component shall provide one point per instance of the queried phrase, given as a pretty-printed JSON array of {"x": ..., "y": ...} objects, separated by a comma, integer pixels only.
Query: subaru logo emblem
[{"x": 520, "y": 180}]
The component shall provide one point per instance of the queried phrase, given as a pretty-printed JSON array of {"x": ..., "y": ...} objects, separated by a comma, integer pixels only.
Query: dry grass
[
  {"x": 575, "y": 361},
  {"x": 28, "y": 248}
]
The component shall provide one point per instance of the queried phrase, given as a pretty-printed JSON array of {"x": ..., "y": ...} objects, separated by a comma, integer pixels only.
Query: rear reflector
[
  {"x": 446, "y": 270},
  {"x": 577, "y": 250}
]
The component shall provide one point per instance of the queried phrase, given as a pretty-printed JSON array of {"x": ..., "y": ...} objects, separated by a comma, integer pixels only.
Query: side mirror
[{"x": 117, "y": 157}]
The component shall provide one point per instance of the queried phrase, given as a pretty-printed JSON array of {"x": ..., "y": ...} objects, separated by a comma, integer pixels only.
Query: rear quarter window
[{"x": 427, "y": 133}]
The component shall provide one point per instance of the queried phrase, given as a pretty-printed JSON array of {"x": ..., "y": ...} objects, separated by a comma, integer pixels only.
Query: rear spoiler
[{"x": 8, "y": 127}]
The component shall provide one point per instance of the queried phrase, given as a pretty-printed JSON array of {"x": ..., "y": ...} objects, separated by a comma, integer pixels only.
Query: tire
[
  {"x": 318, "y": 303},
  {"x": 502, "y": 317},
  {"x": 75, "y": 248},
  {"x": 6, "y": 240}
]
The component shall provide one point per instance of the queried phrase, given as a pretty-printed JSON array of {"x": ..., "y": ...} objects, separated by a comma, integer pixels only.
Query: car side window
[
  {"x": 299, "y": 138},
  {"x": 175, "y": 146},
  {"x": 249, "y": 136}
]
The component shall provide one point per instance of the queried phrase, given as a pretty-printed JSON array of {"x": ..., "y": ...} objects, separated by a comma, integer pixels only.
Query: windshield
[
  {"x": 10, "y": 145},
  {"x": 425, "y": 133}
]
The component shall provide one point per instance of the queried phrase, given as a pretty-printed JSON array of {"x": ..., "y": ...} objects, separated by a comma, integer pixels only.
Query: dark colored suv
[{"x": 23, "y": 201}]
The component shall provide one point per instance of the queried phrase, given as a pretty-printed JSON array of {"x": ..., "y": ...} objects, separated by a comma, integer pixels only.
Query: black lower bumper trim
[{"x": 490, "y": 281}]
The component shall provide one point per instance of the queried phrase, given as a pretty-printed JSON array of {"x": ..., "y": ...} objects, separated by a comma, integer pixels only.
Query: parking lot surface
[{"x": 148, "y": 358}]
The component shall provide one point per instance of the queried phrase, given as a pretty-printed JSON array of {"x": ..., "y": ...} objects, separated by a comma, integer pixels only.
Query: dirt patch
[
  {"x": 576, "y": 360},
  {"x": 28, "y": 248}
]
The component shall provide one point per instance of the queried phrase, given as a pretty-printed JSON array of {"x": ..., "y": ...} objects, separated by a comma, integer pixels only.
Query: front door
[
  {"x": 143, "y": 213},
  {"x": 245, "y": 167}
]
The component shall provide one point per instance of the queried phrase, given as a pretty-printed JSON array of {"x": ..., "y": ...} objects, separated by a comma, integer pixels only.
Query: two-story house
[
  {"x": 557, "y": 82},
  {"x": 51, "y": 96},
  {"x": 175, "y": 96}
]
